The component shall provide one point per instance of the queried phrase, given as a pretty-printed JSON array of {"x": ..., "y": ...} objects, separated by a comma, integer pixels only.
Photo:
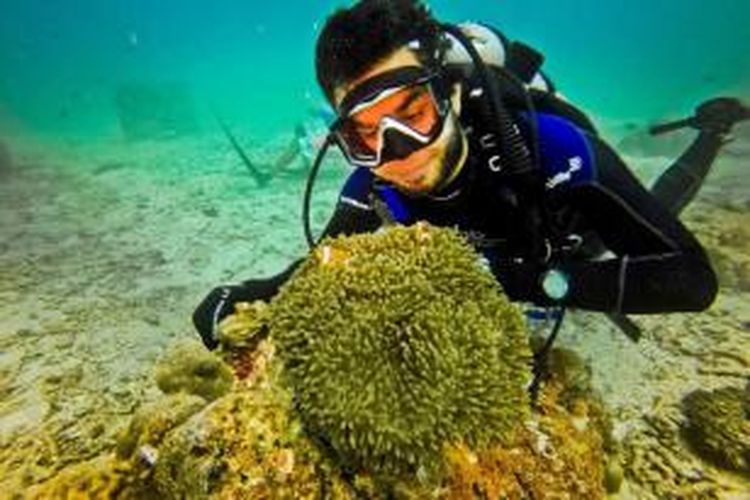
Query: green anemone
[{"x": 399, "y": 342}]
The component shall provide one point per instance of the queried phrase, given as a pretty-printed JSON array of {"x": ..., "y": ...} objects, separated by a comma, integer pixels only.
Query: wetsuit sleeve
[
  {"x": 353, "y": 214},
  {"x": 658, "y": 265}
]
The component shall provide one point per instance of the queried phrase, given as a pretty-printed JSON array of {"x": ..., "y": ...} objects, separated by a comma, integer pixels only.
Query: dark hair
[{"x": 354, "y": 39}]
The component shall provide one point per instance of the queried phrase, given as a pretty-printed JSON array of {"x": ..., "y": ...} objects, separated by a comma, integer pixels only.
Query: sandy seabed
[{"x": 106, "y": 250}]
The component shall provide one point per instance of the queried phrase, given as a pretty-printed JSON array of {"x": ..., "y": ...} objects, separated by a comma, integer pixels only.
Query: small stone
[
  {"x": 148, "y": 455},
  {"x": 210, "y": 212},
  {"x": 97, "y": 430}
]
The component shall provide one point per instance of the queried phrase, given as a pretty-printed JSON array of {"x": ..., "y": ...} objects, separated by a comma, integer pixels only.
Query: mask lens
[{"x": 412, "y": 106}]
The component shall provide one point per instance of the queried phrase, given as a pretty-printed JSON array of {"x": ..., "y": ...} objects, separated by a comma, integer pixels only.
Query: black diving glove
[
  {"x": 521, "y": 281},
  {"x": 719, "y": 115},
  {"x": 219, "y": 304}
]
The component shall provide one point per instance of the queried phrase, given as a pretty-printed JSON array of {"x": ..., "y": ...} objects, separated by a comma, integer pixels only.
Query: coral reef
[
  {"x": 188, "y": 367},
  {"x": 569, "y": 374},
  {"x": 661, "y": 466},
  {"x": 245, "y": 445},
  {"x": 397, "y": 342},
  {"x": 240, "y": 335},
  {"x": 718, "y": 426},
  {"x": 727, "y": 239},
  {"x": 102, "y": 478},
  {"x": 431, "y": 398},
  {"x": 556, "y": 455}
]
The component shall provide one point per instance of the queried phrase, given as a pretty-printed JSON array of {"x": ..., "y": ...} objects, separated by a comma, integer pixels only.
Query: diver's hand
[
  {"x": 219, "y": 304},
  {"x": 521, "y": 281},
  {"x": 719, "y": 115}
]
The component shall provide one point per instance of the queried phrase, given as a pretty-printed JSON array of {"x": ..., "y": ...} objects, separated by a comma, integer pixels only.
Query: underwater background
[
  {"x": 62, "y": 62},
  {"x": 122, "y": 202}
]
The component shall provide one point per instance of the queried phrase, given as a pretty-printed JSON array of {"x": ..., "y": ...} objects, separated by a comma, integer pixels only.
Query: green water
[{"x": 61, "y": 62}]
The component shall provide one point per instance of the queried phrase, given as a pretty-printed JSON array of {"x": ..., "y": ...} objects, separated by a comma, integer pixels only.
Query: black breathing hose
[
  {"x": 308, "y": 189},
  {"x": 512, "y": 145},
  {"x": 516, "y": 155}
]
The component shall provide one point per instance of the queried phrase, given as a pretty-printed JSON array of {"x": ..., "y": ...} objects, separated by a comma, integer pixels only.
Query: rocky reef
[
  {"x": 189, "y": 368},
  {"x": 391, "y": 365},
  {"x": 718, "y": 426}
]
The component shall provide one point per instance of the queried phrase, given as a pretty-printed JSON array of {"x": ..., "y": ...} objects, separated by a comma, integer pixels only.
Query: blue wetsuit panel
[
  {"x": 358, "y": 186},
  {"x": 399, "y": 211},
  {"x": 566, "y": 155}
]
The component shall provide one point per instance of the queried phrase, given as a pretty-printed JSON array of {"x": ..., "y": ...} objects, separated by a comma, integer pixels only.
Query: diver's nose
[{"x": 398, "y": 145}]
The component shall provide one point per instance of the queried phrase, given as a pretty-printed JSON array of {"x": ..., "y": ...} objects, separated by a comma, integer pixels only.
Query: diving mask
[{"x": 391, "y": 116}]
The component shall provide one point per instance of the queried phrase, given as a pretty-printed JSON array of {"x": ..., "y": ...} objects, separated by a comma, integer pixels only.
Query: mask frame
[{"x": 396, "y": 138}]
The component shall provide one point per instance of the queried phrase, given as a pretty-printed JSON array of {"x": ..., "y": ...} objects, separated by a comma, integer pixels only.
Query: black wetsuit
[{"x": 623, "y": 249}]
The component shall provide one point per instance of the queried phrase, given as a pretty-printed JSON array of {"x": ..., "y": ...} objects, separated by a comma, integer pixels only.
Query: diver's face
[{"x": 432, "y": 166}]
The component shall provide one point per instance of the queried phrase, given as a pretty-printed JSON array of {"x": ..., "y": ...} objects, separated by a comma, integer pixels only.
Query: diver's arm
[{"x": 659, "y": 266}]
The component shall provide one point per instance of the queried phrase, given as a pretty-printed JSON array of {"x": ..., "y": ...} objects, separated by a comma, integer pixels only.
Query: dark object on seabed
[
  {"x": 626, "y": 326},
  {"x": 155, "y": 111},
  {"x": 6, "y": 160},
  {"x": 260, "y": 177},
  {"x": 717, "y": 426}
]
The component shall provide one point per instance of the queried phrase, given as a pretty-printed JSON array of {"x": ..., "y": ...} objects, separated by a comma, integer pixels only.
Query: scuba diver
[{"x": 458, "y": 126}]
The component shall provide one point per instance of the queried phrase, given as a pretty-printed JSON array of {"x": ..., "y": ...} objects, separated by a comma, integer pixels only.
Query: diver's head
[{"x": 379, "y": 64}]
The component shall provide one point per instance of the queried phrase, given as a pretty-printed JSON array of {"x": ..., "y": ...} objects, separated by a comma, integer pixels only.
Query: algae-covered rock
[
  {"x": 151, "y": 422},
  {"x": 246, "y": 327},
  {"x": 718, "y": 426},
  {"x": 567, "y": 372},
  {"x": 102, "y": 478},
  {"x": 247, "y": 444},
  {"x": 188, "y": 367},
  {"x": 398, "y": 342},
  {"x": 551, "y": 456}
]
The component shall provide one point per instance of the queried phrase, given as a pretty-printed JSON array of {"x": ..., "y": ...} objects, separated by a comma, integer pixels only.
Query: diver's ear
[{"x": 456, "y": 98}]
